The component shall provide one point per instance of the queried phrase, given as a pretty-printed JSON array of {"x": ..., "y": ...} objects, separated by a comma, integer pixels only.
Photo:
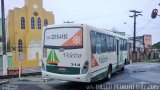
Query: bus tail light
[{"x": 85, "y": 67}]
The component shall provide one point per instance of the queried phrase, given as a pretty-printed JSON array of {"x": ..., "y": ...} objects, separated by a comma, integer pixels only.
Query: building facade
[
  {"x": 143, "y": 45},
  {"x": 24, "y": 30},
  {"x": 147, "y": 40}
]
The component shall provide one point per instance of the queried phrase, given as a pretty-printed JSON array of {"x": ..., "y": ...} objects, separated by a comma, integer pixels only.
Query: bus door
[{"x": 117, "y": 53}]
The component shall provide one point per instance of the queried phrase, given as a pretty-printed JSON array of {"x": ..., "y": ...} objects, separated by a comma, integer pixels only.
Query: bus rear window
[{"x": 64, "y": 37}]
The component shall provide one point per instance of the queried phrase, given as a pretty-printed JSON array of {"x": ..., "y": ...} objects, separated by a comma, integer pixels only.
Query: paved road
[{"x": 140, "y": 76}]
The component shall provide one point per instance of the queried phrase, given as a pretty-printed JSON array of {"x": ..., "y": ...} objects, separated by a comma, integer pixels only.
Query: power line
[
  {"x": 95, "y": 17},
  {"x": 144, "y": 5},
  {"x": 144, "y": 26},
  {"x": 114, "y": 13}
]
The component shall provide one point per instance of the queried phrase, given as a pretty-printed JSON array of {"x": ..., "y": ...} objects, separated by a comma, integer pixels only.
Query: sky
[{"x": 107, "y": 14}]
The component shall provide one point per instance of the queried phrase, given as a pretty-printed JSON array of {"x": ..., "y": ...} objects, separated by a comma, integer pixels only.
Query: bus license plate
[{"x": 62, "y": 69}]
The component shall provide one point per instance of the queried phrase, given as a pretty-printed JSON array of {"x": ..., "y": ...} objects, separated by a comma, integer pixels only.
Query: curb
[
  {"x": 4, "y": 82},
  {"x": 30, "y": 79},
  {"x": 41, "y": 79},
  {"x": 23, "y": 75}
]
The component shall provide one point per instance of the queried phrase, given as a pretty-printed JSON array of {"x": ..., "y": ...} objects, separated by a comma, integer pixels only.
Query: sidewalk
[
  {"x": 31, "y": 70},
  {"x": 26, "y": 70}
]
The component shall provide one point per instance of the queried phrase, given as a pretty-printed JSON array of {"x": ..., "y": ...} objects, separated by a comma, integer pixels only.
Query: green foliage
[{"x": 156, "y": 45}]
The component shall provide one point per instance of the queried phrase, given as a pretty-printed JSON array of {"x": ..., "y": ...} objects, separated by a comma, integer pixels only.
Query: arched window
[
  {"x": 20, "y": 45},
  {"x": 39, "y": 23},
  {"x": 22, "y": 23},
  {"x": 45, "y": 22},
  {"x": 32, "y": 23}
]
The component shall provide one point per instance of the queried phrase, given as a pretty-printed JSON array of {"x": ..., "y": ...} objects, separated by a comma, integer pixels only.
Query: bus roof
[{"x": 85, "y": 25}]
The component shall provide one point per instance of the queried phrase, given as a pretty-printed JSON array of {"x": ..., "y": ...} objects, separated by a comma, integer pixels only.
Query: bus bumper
[{"x": 76, "y": 78}]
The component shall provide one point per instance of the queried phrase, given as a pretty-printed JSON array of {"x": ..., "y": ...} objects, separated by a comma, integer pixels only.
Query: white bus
[{"x": 81, "y": 53}]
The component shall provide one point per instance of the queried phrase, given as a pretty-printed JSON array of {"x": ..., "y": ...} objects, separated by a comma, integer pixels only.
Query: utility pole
[
  {"x": 5, "y": 63},
  {"x": 136, "y": 13},
  {"x": 3, "y": 27}
]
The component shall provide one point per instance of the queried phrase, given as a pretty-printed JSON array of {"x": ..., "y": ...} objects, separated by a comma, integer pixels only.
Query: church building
[{"x": 24, "y": 32}]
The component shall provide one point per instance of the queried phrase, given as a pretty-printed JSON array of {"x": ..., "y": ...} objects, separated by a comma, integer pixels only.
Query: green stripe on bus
[
  {"x": 68, "y": 70},
  {"x": 55, "y": 57},
  {"x": 50, "y": 56}
]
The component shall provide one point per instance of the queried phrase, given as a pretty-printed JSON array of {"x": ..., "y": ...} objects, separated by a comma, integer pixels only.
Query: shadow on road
[{"x": 85, "y": 86}]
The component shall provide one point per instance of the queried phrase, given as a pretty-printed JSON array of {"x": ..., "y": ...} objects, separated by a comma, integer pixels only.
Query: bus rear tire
[
  {"x": 122, "y": 69},
  {"x": 125, "y": 63},
  {"x": 109, "y": 72}
]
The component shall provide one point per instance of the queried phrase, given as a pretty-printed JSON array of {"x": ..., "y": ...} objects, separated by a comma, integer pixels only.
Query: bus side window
[
  {"x": 125, "y": 44},
  {"x": 93, "y": 41},
  {"x": 108, "y": 42},
  {"x": 111, "y": 43},
  {"x": 121, "y": 44},
  {"x": 98, "y": 43},
  {"x": 114, "y": 44},
  {"x": 103, "y": 40}
]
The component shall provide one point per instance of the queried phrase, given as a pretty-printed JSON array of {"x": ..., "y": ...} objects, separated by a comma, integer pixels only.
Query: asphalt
[
  {"x": 140, "y": 75},
  {"x": 133, "y": 68}
]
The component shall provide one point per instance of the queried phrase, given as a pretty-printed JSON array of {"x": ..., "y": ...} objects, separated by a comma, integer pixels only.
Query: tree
[{"x": 156, "y": 45}]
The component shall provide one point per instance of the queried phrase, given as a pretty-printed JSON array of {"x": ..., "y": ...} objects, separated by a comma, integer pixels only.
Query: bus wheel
[
  {"x": 109, "y": 73},
  {"x": 122, "y": 69}
]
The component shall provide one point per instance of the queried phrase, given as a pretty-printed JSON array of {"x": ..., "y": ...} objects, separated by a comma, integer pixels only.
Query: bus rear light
[{"x": 85, "y": 67}]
